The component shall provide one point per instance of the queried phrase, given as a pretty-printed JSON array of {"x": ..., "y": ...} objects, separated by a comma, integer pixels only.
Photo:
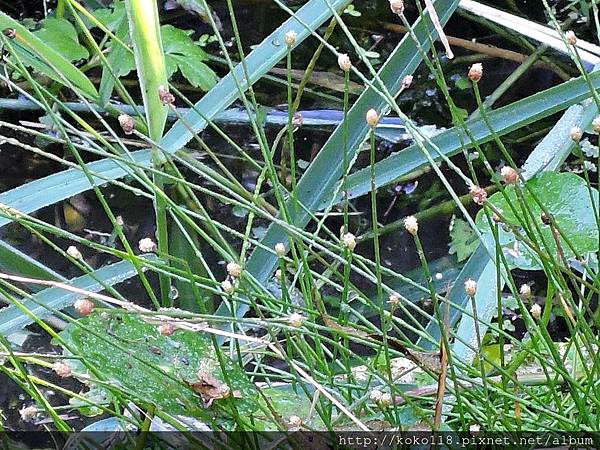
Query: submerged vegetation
[{"x": 282, "y": 216}]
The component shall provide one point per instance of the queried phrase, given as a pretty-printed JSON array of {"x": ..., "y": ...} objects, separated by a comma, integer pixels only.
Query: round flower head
[
  {"x": 344, "y": 62},
  {"x": 166, "y": 98},
  {"x": 478, "y": 194},
  {"x": 227, "y": 286},
  {"x": 127, "y": 123},
  {"x": 28, "y": 413},
  {"x": 61, "y": 369},
  {"x": 372, "y": 118},
  {"x": 84, "y": 306},
  {"x": 596, "y": 124},
  {"x": 74, "y": 253},
  {"x": 296, "y": 320},
  {"x": 411, "y": 225},
  {"x": 407, "y": 81},
  {"x": 290, "y": 38},
  {"x": 146, "y": 245},
  {"x": 376, "y": 395},
  {"x": 397, "y": 6},
  {"x": 394, "y": 300},
  {"x": 536, "y": 311},
  {"x": 471, "y": 287},
  {"x": 525, "y": 291},
  {"x": 476, "y": 72},
  {"x": 295, "y": 421},
  {"x": 509, "y": 175},
  {"x": 571, "y": 38},
  {"x": 349, "y": 241},
  {"x": 385, "y": 400},
  {"x": 234, "y": 269},
  {"x": 280, "y": 249},
  {"x": 576, "y": 134}
]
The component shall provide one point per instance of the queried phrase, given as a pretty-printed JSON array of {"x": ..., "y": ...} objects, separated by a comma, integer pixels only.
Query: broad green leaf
[
  {"x": 44, "y": 303},
  {"x": 197, "y": 73},
  {"x": 120, "y": 61},
  {"x": 128, "y": 352},
  {"x": 288, "y": 401},
  {"x": 35, "y": 53},
  {"x": 463, "y": 240},
  {"x": 61, "y": 35},
  {"x": 567, "y": 198},
  {"x": 112, "y": 17},
  {"x": 183, "y": 54}
]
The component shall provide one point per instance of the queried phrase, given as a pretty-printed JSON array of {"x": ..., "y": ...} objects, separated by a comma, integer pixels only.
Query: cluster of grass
[{"x": 301, "y": 330}]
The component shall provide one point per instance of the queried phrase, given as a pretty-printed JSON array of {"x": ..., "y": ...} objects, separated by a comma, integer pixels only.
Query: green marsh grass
[{"x": 338, "y": 332}]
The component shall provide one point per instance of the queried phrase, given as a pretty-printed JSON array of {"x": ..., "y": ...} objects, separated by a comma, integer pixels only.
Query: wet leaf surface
[
  {"x": 556, "y": 191},
  {"x": 130, "y": 354}
]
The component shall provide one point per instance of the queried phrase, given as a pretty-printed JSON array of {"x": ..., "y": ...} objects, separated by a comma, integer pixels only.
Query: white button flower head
[
  {"x": 525, "y": 291},
  {"x": 344, "y": 62},
  {"x": 349, "y": 241},
  {"x": 146, "y": 245},
  {"x": 234, "y": 269},
  {"x": 412, "y": 225},
  {"x": 228, "y": 287},
  {"x": 571, "y": 38},
  {"x": 386, "y": 399},
  {"x": 478, "y": 194},
  {"x": 471, "y": 287},
  {"x": 280, "y": 249},
  {"x": 74, "y": 252},
  {"x": 165, "y": 96},
  {"x": 278, "y": 274},
  {"x": 509, "y": 175},
  {"x": 596, "y": 124},
  {"x": 28, "y": 413},
  {"x": 372, "y": 118},
  {"x": 397, "y": 6},
  {"x": 394, "y": 299},
  {"x": 407, "y": 81},
  {"x": 295, "y": 421},
  {"x": 296, "y": 320},
  {"x": 576, "y": 134},
  {"x": 127, "y": 123},
  {"x": 476, "y": 72},
  {"x": 475, "y": 428},
  {"x": 84, "y": 306},
  {"x": 61, "y": 369},
  {"x": 376, "y": 395},
  {"x": 290, "y": 38},
  {"x": 536, "y": 311}
]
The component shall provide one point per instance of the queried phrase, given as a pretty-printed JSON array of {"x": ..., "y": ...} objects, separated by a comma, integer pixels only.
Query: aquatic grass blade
[{"x": 54, "y": 298}]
